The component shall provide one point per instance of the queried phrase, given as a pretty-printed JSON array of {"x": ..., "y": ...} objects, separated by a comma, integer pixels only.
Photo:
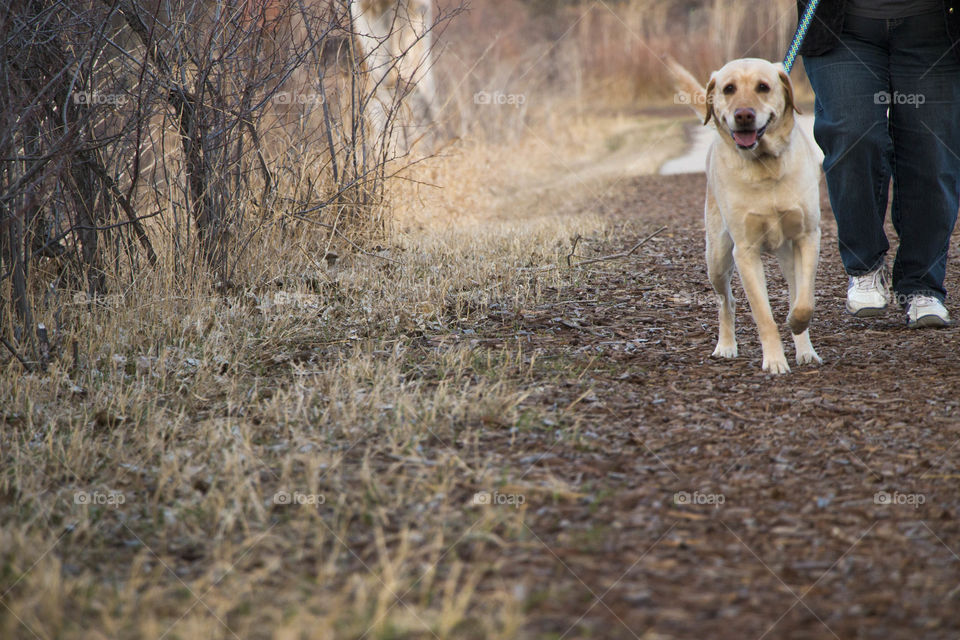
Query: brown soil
[{"x": 800, "y": 547}]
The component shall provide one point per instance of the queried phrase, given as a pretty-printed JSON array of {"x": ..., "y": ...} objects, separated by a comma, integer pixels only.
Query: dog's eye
[
  {"x": 763, "y": 87},
  {"x": 730, "y": 89}
]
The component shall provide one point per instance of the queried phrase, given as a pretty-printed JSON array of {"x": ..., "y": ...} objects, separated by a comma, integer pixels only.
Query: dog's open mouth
[{"x": 748, "y": 138}]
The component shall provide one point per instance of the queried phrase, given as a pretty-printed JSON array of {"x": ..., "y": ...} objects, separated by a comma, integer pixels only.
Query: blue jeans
[{"x": 888, "y": 106}]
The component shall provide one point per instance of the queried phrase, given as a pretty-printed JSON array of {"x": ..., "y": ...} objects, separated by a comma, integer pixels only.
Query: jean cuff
[{"x": 862, "y": 272}]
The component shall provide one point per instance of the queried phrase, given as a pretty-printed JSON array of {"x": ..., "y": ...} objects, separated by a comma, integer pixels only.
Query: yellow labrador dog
[{"x": 763, "y": 196}]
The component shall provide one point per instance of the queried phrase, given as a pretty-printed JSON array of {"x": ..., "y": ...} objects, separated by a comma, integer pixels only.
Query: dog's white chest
[{"x": 769, "y": 230}]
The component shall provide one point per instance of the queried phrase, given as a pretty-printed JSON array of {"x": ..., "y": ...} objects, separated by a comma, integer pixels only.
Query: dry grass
[
  {"x": 139, "y": 485},
  {"x": 591, "y": 56}
]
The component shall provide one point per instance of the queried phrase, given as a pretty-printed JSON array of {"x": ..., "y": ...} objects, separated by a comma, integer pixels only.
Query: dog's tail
[{"x": 689, "y": 89}]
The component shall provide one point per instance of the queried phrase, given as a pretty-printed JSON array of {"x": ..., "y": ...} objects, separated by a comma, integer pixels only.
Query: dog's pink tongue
[{"x": 745, "y": 138}]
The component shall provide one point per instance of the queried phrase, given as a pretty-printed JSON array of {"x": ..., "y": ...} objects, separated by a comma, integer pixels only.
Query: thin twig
[
  {"x": 573, "y": 249},
  {"x": 613, "y": 256},
  {"x": 343, "y": 237},
  {"x": 127, "y": 207},
  {"x": 11, "y": 349}
]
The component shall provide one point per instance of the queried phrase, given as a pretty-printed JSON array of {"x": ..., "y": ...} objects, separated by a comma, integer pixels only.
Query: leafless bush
[{"x": 169, "y": 135}]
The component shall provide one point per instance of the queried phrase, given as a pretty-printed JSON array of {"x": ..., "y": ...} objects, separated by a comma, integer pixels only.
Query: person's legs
[
  {"x": 925, "y": 127},
  {"x": 851, "y": 127}
]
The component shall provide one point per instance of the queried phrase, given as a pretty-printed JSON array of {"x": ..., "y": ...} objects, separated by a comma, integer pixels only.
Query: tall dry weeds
[
  {"x": 548, "y": 61},
  {"x": 172, "y": 135},
  {"x": 295, "y": 456}
]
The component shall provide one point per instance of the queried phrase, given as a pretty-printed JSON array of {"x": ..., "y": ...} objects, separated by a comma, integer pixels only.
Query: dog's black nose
[{"x": 745, "y": 117}]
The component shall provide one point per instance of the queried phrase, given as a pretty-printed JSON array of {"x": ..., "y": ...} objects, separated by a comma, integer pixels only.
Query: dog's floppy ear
[
  {"x": 788, "y": 91},
  {"x": 711, "y": 87}
]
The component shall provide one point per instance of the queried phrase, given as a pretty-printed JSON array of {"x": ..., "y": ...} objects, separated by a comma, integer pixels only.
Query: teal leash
[{"x": 802, "y": 28}]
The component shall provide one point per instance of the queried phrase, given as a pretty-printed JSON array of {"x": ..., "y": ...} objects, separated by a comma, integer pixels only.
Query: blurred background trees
[{"x": 139, "y": 136}]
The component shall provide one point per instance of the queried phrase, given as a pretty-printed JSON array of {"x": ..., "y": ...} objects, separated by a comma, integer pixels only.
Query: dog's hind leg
[
  {"x": 720, "y": 270},
  {"x": 789, "y": 255}
]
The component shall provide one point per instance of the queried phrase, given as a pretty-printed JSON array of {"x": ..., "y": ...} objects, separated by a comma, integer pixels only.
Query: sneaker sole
[
  {"x": 927, "y": 322},
  {"x": 866, "y": 312}
]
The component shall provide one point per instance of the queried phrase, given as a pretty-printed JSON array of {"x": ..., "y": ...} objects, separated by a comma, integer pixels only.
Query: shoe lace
[{"x": 870, "y": 281}]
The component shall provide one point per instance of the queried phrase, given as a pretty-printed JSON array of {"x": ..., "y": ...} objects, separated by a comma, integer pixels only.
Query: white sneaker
[
  {"x": 926, "y": 311},
  {"x": 868, "y": 295}
]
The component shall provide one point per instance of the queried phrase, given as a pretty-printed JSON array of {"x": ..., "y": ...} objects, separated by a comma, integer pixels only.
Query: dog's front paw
[
  {"x": 725, "y": 351},
  {"x": 808, "y": 357},
  {"x": 776, "y": 366}
]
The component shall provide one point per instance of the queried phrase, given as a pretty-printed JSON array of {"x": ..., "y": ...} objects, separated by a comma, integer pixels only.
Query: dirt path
[{"x": 715, "y": 501}]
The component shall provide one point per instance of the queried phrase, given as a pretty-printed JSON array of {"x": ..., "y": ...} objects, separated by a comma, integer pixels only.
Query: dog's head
[{"x": 750, "y": 98}]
